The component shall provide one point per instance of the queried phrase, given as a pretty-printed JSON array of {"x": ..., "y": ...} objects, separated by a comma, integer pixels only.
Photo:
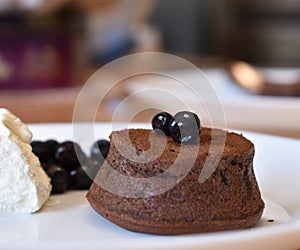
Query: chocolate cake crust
[{"x": 228, "y": 199}]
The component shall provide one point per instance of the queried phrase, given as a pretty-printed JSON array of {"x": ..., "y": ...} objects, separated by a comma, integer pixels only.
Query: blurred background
[{"x": 49, "y": 48}]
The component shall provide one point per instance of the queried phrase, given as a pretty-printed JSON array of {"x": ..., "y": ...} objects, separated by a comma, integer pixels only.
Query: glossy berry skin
[
  {"x": 67, "y": 157},
  {"x": 185, "y": 127},
  {"x": 51, "y": 144},
  {"x": 101, "y": 146},
  {"x": 161, "y": 122},
  {"x": 44, "y": 150},
  {"x": 59, "y": 178},
  {"x": 67, "y": 165},
  {"x": 81, "y": 177}
]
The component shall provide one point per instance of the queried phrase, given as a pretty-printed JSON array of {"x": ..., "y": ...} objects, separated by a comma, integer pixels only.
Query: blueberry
[
  {"x": 46, "y": 165},
  {"x": 185, "y": 127},
  {"x": 69, "y": 155},
  {"x": 39, "y": 149},
  {"x": 42, "y": 151},
  {"x": 161, "y": 122},
  {"x": 51, "y": 145},
  {"x": 101, "y": 146},
  {"x": 59, "y": 178},
  {"x": 81, "y": 177}
]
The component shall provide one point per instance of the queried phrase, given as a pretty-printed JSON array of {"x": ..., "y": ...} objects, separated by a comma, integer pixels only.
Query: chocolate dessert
[{"x": 229, "y": 198}]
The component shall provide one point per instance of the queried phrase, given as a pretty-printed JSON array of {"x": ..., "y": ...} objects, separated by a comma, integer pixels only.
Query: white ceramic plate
[{"x": 68, "y": 222}]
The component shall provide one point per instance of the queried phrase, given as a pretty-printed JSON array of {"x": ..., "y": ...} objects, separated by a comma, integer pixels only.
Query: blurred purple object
[{"x": 35, "y": 60}]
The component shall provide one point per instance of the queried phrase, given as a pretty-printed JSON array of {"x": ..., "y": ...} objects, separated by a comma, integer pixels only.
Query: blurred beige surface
[{"x": 55, "y": 105}]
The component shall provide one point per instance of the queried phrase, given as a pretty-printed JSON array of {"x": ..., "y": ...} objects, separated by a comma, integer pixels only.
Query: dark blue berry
[
  {"x": 69, "y": 155},
  {"x": 101, "y": 146},
  {"x": 81, "y": 177},
  {"x": 185, "y": 127},
  {"x": 51, "y": 144},
  {"x": 44, "y": 150},
  {"x": 59, "y": 178},
  {"x": 161, "y": 122}
]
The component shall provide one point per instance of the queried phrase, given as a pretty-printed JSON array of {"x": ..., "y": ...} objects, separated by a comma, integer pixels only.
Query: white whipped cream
[{"x": 24, "y": 185}]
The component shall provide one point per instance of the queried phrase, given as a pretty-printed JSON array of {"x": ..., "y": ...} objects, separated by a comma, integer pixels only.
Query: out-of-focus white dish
[
  {"x": 241, "y": 108},
  {"x": 68, "y": 222}
]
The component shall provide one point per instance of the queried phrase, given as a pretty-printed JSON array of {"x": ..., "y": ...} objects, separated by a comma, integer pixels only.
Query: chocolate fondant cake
[{"x": 228, "y": 199}]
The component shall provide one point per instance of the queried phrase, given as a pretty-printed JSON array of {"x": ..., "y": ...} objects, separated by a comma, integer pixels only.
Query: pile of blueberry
[
  {"x": 67, "y": 165},
  {"x": 70, "y": 168},
  {"x": 184, "y": 126}
]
